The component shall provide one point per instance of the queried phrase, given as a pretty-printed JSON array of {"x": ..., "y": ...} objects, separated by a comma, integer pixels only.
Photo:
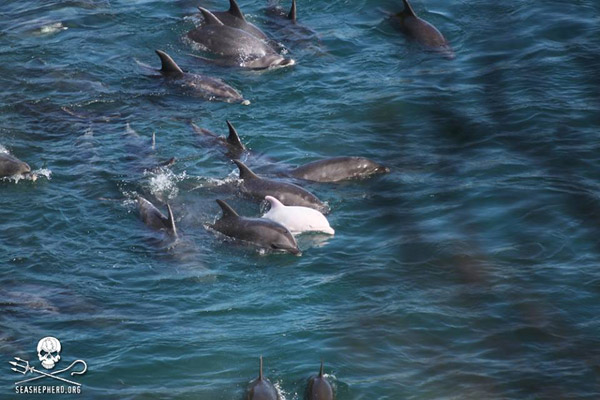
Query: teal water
[{"x": 469, "y": 272}]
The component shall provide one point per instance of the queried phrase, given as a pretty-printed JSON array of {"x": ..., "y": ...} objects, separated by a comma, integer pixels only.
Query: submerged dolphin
[
  {"x": 235, "y": 46},
  {"x": 261, "y": 388},
  {"x": 154, "y": 218},
  {"x": 276, "y": 11},
  {"x": 259, "y": 231},
  {"x": 10, "y": 166},
  {"x": 233, "y": 143},
  {"x": 422, "y": 31},
  {"x": 297, "y": 219},
  {"x": 319, "y": 388},
  {"x": 289, "y": 194},
  {"x": 234, "y": 17},
  {"x": 204, "y": 86},
  {"x": 337, "y": 169}
]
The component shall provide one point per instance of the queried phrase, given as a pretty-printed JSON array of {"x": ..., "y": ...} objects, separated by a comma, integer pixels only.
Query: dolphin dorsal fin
[
  {"x": 274, "y": 202},
  {"x": 228, "y": 212},
  {"x": 408, "y": 10},
  {"x": 233, "y": 138},
  {"x": 169, "y": 66},
  {"x": 209, "y": 17},
  {"x": 260, "y": 374},
  {"x": 171, "y": 221},
  {"x": 292, "y": 14},
  {"x": 245, "y": 172},
  {"x": 321, "y": 370},
  {"x": 234, "y": 10}
]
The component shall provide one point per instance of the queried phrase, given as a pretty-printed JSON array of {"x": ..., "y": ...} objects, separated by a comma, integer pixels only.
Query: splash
[
  {"x": 31, "y": 176},
  {"x": 163, "y": 183}
]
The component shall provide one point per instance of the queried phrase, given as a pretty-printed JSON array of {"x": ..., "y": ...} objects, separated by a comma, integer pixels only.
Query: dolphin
[
  {"x": 235, "y": 46},
  {"x": 232, "y": 143},
  {"x": 203, "y": 86},
  {"x": 337, "y": 169},
  {"x": 10, "y": 166},
  {"x": 234, "y": 17},
  {"x": 261, "y": 232},
  {"x": 261, "y": 388},
  {"x": 276, "y": 11},
  {"x": 422, "y": 31},
  {"x": 319, "y": 388},
  {"x": 287, "y": 193},
  {"x": 154, "y": 218},
  {"x": 297, "y": 219}
]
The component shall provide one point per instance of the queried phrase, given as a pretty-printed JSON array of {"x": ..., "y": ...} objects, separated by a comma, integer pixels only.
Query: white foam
[{"x": 51, "y": 28}]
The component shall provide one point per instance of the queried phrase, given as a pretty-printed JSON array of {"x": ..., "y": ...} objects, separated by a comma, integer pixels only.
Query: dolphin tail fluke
[
  {"x": 234, "y": 10},
  {"x": 321, "y": 370},
  {"x": 227, "y": 210},
  {"x": 171, "y": 221},
  {"x": 209, "y": 17},
  {"x": 292, "y": 14},
  {"x": 260, "y": 366},
  {"x": 245, "y": 172},
  {"x": 408, "y": 10},
  {"x": 234, "y": 138},
  {"x": 168, "y": 65}
]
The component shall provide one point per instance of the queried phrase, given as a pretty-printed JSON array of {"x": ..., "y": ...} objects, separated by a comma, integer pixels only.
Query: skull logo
[{"x": 48, "y": 350}]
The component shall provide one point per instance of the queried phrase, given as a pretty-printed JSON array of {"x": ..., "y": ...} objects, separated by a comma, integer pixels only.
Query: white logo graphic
[{"x": 48, "y": 350}]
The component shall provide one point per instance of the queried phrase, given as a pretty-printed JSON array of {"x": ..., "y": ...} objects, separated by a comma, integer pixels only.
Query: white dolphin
[{"x": 297, "y": 219}]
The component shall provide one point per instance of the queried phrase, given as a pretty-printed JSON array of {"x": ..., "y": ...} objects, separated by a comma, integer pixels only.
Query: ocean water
[{"x": 471, "y": 271}]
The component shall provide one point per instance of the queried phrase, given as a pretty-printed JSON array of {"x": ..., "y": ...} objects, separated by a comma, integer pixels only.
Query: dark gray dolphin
[
  {"x": 274, "y": 10},
  {"x": 232, "y": 143},
  {"x": 337, "y": 169},
  {"x": 287, "y": 193},
  {"x": 10, "y": 166},
  {"x": 259, "y": 231},
  {"x": 234, "y": 17},
  {"x": 318, "y": 387},
  {"x": 422, "y": 31},
  {"x": 235, "y": 46},
  {"x": 261, "y": 388},
  {"x": 154, "y": 218},
  {"x": 204, "y": 86}
]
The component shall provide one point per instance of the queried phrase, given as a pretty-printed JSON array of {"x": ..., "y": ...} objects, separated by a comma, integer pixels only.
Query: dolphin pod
[
  {"x": 287, "y": 193},
  {"x": 234, "y": 46},
  {"x": 204, "y": 86},
  {"x": 319, "y": 388},
  {"x": 259, "y": 231},
  {"x": 422, "y": 31},
  {"x": 156, "y": 219},
  {"x": 10, "y": 165},
  {"x": 297, "y": 219}
]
